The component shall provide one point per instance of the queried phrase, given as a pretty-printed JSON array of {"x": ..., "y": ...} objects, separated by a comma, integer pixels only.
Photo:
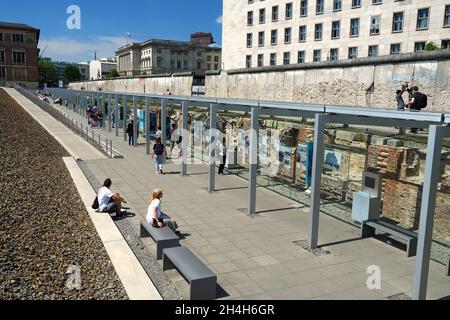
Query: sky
[{"x": 104, "y": 25}]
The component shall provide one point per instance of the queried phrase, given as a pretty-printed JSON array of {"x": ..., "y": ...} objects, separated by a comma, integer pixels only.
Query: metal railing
[{"x": 100, "y": 142}]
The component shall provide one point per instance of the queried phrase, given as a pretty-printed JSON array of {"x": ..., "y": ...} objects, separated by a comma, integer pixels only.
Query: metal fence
[{"x": 100, "y": 142}]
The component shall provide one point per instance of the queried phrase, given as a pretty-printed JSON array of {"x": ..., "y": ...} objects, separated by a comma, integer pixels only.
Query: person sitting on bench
[
  {"x": 109, "y": 202},
  {"x": 154, "y": 215}
]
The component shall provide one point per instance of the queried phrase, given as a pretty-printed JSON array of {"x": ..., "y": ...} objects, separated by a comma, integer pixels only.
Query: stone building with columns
[
  {"x": 258, "y": 33},
  {"x": 157, "y": 56}
]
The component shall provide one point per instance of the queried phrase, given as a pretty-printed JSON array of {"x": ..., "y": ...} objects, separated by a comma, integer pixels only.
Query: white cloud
[
  {"x": 71, "y": 50},
  {"x": 219, "y": 20}
]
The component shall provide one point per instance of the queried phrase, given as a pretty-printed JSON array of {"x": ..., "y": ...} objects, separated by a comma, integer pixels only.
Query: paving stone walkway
[{"x": 257, "y": 257}]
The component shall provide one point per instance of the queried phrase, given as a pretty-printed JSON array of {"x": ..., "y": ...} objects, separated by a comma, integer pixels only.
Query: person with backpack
[
  {"x": 158, "y": 155},
  {"x": 418, "y": 102}
]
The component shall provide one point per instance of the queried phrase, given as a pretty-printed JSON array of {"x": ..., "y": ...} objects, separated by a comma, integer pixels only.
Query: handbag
[{"x": 95, "y": 205}]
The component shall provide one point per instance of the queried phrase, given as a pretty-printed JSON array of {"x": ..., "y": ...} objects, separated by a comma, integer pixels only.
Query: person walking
[
  {"x": 130, "y": 131},
  {"x": 173, "y": 139},
  {"x": 113, "y": 116},
  {"x": 100, "y": 119},
  {"x": 223, "y": 155},
  {"x": 159, "y": 156}
]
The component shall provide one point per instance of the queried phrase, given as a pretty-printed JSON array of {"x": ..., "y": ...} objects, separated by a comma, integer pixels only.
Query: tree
[
  {"x": 71, "y": 74},
  {"x": 47, "y": 73},
  {"x": 113, "y": 74},
  {"x": 431, "y": 46}
]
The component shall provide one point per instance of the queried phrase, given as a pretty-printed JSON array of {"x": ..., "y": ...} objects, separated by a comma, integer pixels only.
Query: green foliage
[
  {"x": 113, "y": 74},
  {"x": 431, "y": 46},
  {"x": 47, "y": 73},
  {"x": 71, "y": 74}
]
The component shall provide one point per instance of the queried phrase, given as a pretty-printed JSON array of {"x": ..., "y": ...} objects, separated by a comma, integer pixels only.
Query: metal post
[
  {"x": 253, "y": 160},
  {"x": 135, "y": 124},
  {"x": 147, "y": 126},
  {"x": 316, "y": 181},
  {"x": 164, "y": 121},
  {"x": 116, "y": 115},
  {"x": 109, "y": 114},
  {"x": 184, "y": 111},
  {"x": 432, "y": 177},
  {"x": 212, "y": 143},
  {"x": 125, "y": 111}
]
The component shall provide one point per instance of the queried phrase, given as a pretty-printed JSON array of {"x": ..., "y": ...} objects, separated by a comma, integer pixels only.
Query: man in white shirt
[{"x": 109, "y": 202}]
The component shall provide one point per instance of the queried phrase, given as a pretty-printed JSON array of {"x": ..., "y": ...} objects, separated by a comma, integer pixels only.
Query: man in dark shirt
[{"x": 413, "y": 105}]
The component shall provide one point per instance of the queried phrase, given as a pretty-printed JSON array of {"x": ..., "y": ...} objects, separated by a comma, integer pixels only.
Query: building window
[
  {"x": 395, "y": 48},
  {"x": 375, "y": 25},
  {"x": 274, "y": 37},
  {"x": 419, "y": 46},
  {"x": 250, "y": 18},
  {"x": 261, "y": 39},
  {"x": 249, "y": 40},
  {"x": 446, "y": 17},
  {"x": 1, "y": 36},
  {"x": 288, "y": 11},
  {"x": 373, "y": 51},
  {"x": 337, "y": 5},
  {"x": 209, "y": 66},
  {"x": 445, "y": 44},
  {"x": 422, "y": 18},
  {"x": 303, "y": 8},
  {"x": 334, "y": 54},
  {"x": 317, "y": 55},
  {"x": 18, "y": 38},
  {"x": 273, "y": 59},
  {"x": 216, "y": 59},
  {"x": 275, "y": 13},
  {"x": 2, "y": 56},
  {"x": 287, "y": 35},
  {"x": 356, "y": 4},
  {"x": 262, "y": 16},
  {"x": 260, "y": 60},
  {"x": 354, "y": 27},
  {"x": 199, "y": 64},
  {"x": 248, "y": 62},
  {"x": 18, "y": 57},
  {"x": 286, "y": 58},
  {"x": 318, "y": 31},
  {"x": 377, "y": 1},
  {"x": 397, "y": 22},
  {"x": 319, "y": 6},
  {"x": 216, "y": 66},
  {"x": 209, "y": 58},
  {"x": 335, "y": 29},
  {"x": 302, "y": 34},
  {"x": 353, "y": 53},
  {"x": 301, "y": 57},
  {"x": 2, "y": 72}
]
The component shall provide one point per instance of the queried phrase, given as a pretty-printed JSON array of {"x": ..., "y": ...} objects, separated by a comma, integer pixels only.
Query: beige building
[
  {"x": 167, "y": 56},
  {"x": 260, "y": 33}
]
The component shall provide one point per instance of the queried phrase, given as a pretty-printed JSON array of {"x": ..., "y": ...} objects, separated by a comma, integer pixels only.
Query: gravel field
[{"x": 44, "y": 226}]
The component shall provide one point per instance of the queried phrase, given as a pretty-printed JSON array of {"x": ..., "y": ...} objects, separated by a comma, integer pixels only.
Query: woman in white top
[
  {"x": 154, "y": 210},
  {"x": 155, "y": 217}
]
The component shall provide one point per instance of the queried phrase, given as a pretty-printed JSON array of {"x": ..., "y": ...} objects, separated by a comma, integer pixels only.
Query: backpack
[
  {"x": 422, "y": 101},
  {"x": 159, "y": 149}
]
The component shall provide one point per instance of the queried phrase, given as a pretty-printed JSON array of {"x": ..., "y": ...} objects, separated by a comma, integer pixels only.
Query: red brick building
[{"x": 19, "y": 55}]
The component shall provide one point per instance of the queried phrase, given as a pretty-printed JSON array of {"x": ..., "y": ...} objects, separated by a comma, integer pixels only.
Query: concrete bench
[
  {"x": 368, "y": 229},
  {"x": 203, "y": 282},
  {"x": 164, "y": 237}
]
